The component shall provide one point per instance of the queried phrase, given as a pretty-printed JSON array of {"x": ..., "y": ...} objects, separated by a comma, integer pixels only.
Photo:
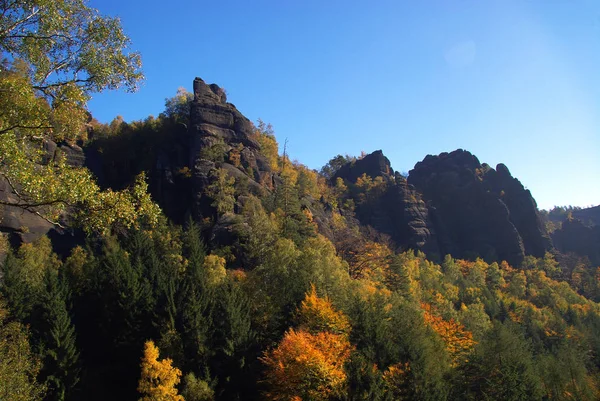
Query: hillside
[{"x": 264, "y": 279}]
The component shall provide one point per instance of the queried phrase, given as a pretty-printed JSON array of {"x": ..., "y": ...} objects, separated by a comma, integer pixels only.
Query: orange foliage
[
  {"x": 459, "y": 341},
  {"x": 316, "y": 314},
  {"x": 397, "y": 380},
  {"x": 307, "y": 366}
]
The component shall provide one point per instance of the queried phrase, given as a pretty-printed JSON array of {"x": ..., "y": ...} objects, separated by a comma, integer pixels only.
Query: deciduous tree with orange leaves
[
  {"x": 308, "y": 363},
  {"x": 317, "y": 314},
  {"x": 307, "y": 366},
  {"x": 459, "y": 341}
]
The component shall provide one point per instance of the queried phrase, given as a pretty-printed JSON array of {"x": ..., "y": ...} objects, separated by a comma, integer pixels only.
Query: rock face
[
  {"x": 479, "y": 211},
  {"x": 589, "y": 216},
  {"x": 24, "y": 226},
  {"x": 216, "y": 129},
  {"x": 398, "y": 211},
  {"x": 577, "y": 237}
]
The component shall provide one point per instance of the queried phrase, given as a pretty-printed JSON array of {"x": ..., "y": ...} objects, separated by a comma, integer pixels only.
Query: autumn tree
[
  {"x": 19, "y": 366},
  {"x": 317, "y": 314},
  {"x": 57, "y": 54},
  {"x": 309, "y": 362},
  {"x": 306, "y": 366},
  {"x": 459, "y": 342},
  {"x": 177, "y": 108},
  {"x": 158, "y": 379},
  {"x": 265, "y": 136}
]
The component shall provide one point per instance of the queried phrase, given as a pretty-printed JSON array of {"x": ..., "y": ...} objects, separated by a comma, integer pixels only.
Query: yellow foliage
[
  {"x": 37, "y": 257},
  {"x": 307, "y": 366},
  {"x": 215, "y": 269},
  {"x": 263, "y": 134},
  {"x": 159, "y": 378},
  {"x": 316, "y": 314},
  {"x": 307, "y": 182},
  {"x": 370, "y": 262}
]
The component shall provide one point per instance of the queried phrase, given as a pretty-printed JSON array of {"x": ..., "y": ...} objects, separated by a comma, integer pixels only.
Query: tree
[
  {"x": 309, "y": 362},
  {"x": 222, "y": 191},
  {"x": 502, "y": 368},
  {"x": 459, "y": 342},
  {"x": 334, "y": 165},
  {"x": 317, "y": 314},
  {"x": 159, "y": 378},
  {"x": 57, "y": 54},
  {"x": 177, "y": 108},
  {"x": 306, "y": 366},
  {"x": 195, "y": 389},
  {"x": 61, "y": 367},
  {"x": 18, "y": 365}
]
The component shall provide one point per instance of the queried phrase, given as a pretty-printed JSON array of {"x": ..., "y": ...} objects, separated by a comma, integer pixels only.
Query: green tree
[
  {"x": 502, "y": 368},
  {"x": 334, "y": 165},
  {"x": 222, "y": 191},
  {"x": 177, "y": 108},
  {"x": 195, "y": 389},
  {"x": 61, "y": 362},
  {"x": 18, "y": 365},
  {"x": 233, "y": 342},
  {"x": 57, "y": 54}
]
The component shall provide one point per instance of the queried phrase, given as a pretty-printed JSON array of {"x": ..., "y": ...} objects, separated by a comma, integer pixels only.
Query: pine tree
[
  {"x": 194, "y": 303},
  {"x": 15, "y": 289},
  {"x": 233, "y": 342},
  {"x": 61, "y": 361}
]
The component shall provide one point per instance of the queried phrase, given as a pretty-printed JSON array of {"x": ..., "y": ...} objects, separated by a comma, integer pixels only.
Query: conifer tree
[
  {"x": 61, "y": 359},
  {"x": 15, "y": 289},
  {"x": 234, "y": 338},
  {"x": 194, "y": 302}
]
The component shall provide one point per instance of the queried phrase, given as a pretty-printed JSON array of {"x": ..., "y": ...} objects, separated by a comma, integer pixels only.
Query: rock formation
[
  {"x": 24, "y": 226},
  {"x": 217, "y": 129},
  {"x": 398, "y": 211},
  {"x": 479, "y": 211},
  {"x": 576, "y": 237}
]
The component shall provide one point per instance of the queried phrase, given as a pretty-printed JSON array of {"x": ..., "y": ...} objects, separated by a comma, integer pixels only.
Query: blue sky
[{"x": 514, "y": 82}]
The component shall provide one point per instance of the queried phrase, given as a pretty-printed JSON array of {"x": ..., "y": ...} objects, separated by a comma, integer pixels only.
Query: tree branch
[
  {"x": 22, "y": 21},
  {"x": 3, "y": 131}
]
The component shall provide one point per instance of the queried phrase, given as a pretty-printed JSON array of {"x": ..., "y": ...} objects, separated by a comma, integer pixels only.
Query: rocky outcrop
[
  {"x": 21, "y": 225},
  {"x": 589, "y": 216},
  {"x": 479, "y": 211},
  {"x": 576, "y": 237},
  {"x": 398, "y": 210},
  {"x": 523, "y": 212},
  {"x": 374, "y": 165},
  {"x": 217, "y": 130}
]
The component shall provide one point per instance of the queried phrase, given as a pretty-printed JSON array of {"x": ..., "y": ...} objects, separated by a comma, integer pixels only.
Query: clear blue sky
[{"x": 516, "y": 82}]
